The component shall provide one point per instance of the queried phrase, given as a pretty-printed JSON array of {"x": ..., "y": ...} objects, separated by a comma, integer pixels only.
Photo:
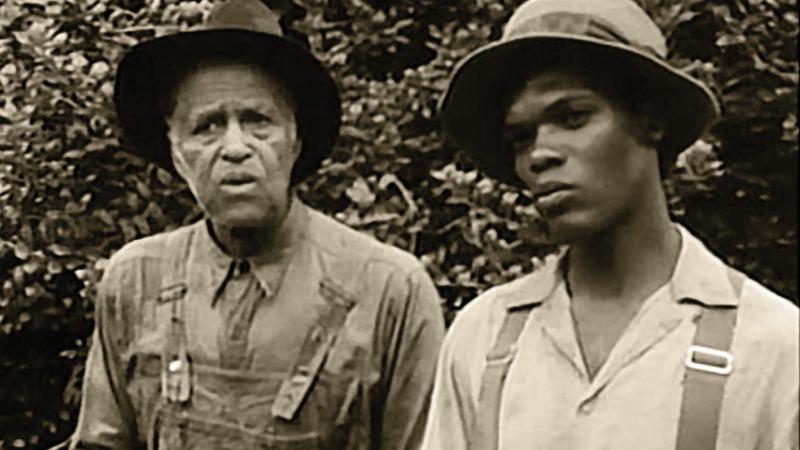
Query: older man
[
  {"x": 266, "y": 325},
  {"x": 635, "y": 335}
]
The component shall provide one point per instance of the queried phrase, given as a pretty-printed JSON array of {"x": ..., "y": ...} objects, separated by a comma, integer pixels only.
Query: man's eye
[
  {"x": 573, "y": 119},
  {"x": 520, "y": 137},
  {"x": 255, "y": 118},
  {"x": 207, "y": 126}
]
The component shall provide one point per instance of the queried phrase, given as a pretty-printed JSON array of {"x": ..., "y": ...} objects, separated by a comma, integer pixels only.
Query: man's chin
[
  {"x": 243, "y": 219},
  {"x": 565, "y": 230}
]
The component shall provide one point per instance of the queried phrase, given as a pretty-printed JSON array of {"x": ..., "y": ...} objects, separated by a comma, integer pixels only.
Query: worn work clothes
[
  {"x": 634, "y": 401},
  {"x": 371, "y": 391}
]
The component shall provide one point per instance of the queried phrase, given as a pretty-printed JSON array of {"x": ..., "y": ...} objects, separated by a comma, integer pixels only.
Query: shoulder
[
  {"x": 146, "y": 256},
  {"x": 763, "y": 316},
  {"x": 767, "y": 339},
  {"x": 491, "y": 301},
  {"x": 387, "y": 281},
  {"x": 480, "y": 320},
  {"x": 772, "y": 319},
  {"x": 345, "y": 243},
  {"x": 132, "y": 279}
]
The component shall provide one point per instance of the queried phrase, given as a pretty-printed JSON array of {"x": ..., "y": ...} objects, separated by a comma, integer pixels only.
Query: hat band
[{"x": 577, "y": 24}]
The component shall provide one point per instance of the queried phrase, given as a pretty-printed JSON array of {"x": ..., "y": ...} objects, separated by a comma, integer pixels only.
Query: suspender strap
[
  {"x": 176, "y": 384},
  {"x": 319, "y": 340},
  {"x": 708, "y": 364},
  {"x": 487, "y": 417}
]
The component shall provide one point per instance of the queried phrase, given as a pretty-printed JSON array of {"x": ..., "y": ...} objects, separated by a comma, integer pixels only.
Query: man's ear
[
  {"x": 653, "y": 130},
  {"x": 179, "y": 163},
  {"x": 177, "y": 158},
  {"x": 298, "y": 145}
]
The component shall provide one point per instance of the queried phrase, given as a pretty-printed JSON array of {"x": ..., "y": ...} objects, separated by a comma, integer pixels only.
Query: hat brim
[
  {"x": 148, "y": 71},
  {"x": 471, "y": 109}
]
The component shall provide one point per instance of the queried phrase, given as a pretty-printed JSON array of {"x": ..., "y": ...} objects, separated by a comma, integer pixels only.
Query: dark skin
[
  {"x": 597, "y": 186},
  {"x": 235, "y": 141}
]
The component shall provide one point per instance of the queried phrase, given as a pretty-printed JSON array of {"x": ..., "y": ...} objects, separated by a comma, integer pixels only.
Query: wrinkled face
[
  {"x": 575, "y": 150},
  {"x": 234, "y": 140}
]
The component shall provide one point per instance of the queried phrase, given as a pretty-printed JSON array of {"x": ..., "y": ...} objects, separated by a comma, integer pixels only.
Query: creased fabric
[
  {"x": 254, "y": 322},
  {"x": 634, "y": 401}
]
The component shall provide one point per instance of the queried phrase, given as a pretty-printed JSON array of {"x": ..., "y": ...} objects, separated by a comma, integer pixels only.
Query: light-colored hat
[{"x": 617, "y": 31}]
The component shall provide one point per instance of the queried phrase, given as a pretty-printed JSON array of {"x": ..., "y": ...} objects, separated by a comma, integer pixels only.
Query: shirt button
[
  {"x": 586, "y": 407},
  {"x": 244, "y": 267}
]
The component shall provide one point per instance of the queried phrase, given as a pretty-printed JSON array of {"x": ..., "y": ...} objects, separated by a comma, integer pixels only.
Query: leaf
[
  {"x": 59, "y": 250},
  {"x": 143, "y": 190},
  {"x": 360, "y": 193},
  {"x": 99, "y": 70},
  {"x": 54, "y": 267},
  {"x": 21, "y": 251},
  {"x": 74, "y": 154},
  {"x": 727, "y": 40}
]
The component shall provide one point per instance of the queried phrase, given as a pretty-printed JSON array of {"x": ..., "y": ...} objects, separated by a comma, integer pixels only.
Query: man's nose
[
  {"x": 541, "y": 158},
  {"x": 234, "y": 147},
  {"x": 541, "y": 154}
]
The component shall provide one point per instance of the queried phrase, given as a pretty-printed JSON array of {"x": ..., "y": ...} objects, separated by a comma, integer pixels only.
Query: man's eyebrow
[
  {"x": 560, "y": 102},
  {"x": 257, "y": 104},
  {"x": 566, "y": 99},
  {"x": 205, "y": 111},
  {"x": 217, "y": 107}
]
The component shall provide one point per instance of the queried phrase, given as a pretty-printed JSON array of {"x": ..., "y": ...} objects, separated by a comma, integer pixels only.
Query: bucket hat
[
  {"x": 245, "y": 29},
  {"x": 617, "y": 32}
]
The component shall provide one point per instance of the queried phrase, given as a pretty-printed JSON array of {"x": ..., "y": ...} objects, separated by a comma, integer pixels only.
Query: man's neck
[
  {"x": 626, "y": 262},
  {"x": 266, "y": 243}
]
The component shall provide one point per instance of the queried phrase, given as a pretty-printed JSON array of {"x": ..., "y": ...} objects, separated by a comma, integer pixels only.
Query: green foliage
[{"x": 71, "y": 196}]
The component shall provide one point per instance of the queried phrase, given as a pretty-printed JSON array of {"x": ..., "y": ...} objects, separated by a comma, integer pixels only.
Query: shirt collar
[
  {"x": 539, "y": 285},
  {"x": 216, "y": 266},
  {"x": 698, "y": 276}
]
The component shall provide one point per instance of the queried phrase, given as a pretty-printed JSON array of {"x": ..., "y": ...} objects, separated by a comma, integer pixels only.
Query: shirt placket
[
  {"x": 658, "y": 316},
  {"x": 656, "y": 319},
  {"x": 241, "y": 295},
  {"x": 560, "y": 331}
]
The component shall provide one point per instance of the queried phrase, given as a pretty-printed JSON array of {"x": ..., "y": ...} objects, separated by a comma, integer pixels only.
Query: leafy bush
[{"x": 71, "y": 196}]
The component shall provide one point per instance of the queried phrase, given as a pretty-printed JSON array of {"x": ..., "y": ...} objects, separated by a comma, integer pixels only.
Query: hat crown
[
  {"x": 251, "y": 15},
  {"x": 619, "y": 21}
]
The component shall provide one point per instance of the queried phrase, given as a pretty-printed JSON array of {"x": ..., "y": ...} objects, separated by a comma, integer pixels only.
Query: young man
[
  {"x": 266, "y": 325},
  {"x": 635, "y": 335}
]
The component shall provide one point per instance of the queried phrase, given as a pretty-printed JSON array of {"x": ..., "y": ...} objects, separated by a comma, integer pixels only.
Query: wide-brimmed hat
[
  {"x": 616, "y": 34},
  {"x": 235, "y": 29}
]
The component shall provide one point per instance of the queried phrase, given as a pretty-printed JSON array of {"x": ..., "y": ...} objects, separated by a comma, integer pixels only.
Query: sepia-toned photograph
[{"x": 410, "y": 224}]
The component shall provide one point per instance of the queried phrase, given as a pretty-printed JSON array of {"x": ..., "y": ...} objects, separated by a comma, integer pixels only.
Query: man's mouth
[
  {"x": 543, "y": 190},
  {"x": 237, "y": 179}
]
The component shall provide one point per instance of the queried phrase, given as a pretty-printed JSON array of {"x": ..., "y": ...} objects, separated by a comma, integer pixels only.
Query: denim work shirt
[
  {"x": 372, "y": 384},
  {"x": 634, "y": 401}
]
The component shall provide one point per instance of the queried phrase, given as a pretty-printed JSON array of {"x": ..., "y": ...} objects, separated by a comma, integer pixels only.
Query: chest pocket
[
  {"x": 144, "y": 364},
  {"x": 326, "y": 375}
]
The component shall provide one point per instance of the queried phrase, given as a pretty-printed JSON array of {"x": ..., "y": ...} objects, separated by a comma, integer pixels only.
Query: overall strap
[
  {"x": 708, "y": 364},
  {"x": 320, "y": 338},
  {"x": 484, "y": 432},
  {"x": 176, "y": 367}
]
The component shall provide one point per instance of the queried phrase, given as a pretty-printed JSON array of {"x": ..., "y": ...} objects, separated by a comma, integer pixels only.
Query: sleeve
[
  {"x": 449, "y": 414},
  {"x": 785, "y": 401},
  {"x": 413, "y": 336},
  {"x": 787, "y": 426},
  {"x": 106, "y": 413}
]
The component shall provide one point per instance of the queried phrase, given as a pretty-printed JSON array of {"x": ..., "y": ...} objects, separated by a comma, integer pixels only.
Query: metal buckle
[
  {"x": 501, "y": 358},
  {"x": 719, "y": 370}
]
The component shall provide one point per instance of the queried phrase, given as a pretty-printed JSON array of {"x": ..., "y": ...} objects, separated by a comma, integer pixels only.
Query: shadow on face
[
  {"x": 234, "y": 140},
  {"x": 575, "y": 148}
]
